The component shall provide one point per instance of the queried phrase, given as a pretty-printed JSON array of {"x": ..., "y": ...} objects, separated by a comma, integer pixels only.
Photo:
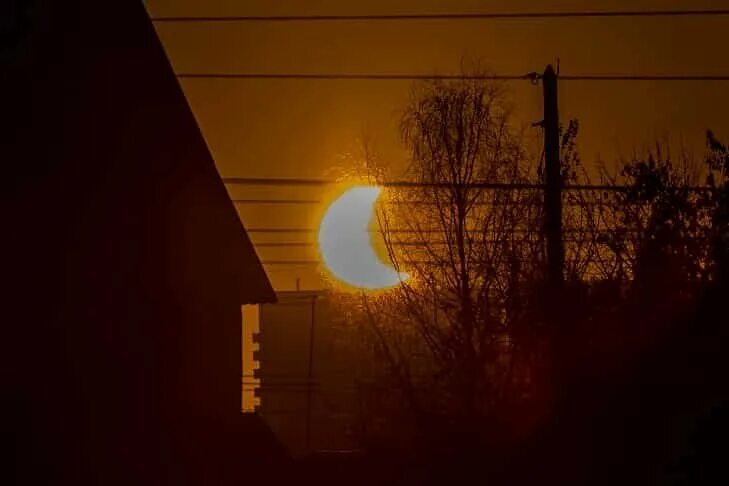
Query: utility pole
[
  {"x": 310, "y": 373},
  {"x": 553, "y": 181}
]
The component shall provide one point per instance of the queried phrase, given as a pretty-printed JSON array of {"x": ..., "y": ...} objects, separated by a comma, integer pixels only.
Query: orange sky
[{"x": 265, "y": 128}]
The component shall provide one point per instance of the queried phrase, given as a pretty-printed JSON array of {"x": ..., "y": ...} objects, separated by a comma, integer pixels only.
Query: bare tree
[
  {"x": 454, "y": 333},
  {"x": 464, "y": 339}
]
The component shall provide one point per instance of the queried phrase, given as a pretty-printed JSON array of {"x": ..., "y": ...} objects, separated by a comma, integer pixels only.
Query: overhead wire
[
  {"x": 543, "y": 15},
  {"x": 314, "y": 182},
  {"x": 681, "y": 77}
]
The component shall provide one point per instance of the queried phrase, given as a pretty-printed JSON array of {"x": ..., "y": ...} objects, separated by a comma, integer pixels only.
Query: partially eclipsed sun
[{"x": 345, "y": 246}]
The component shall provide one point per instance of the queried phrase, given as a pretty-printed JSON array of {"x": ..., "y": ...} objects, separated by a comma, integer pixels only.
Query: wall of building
[{"x": 308, "y": 388}]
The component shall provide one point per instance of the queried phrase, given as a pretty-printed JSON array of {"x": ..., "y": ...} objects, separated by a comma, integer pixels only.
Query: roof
[{"x": 92, "y": 104}]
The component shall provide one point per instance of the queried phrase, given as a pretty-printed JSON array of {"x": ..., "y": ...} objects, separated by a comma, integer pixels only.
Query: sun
[{"x": 345, "y": 242}]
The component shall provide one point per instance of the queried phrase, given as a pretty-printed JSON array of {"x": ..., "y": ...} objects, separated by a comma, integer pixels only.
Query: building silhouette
[
  {"x": 125, "y": 264},
  {"x": 313, "y": 381}
]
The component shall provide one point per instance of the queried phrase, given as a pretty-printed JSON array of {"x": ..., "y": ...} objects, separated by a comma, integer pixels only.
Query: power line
[
  {"x": 301, "y": 263},
  {"x": 276, "y": 201},
  {"x": 308, "y": 202},
  {"x": 280, "y": 230},
  {"x": 291, "y": 262},
  {"x": 417, "y": 243},
  {"x": 413, "y": 202},
  {"x": 645, "y": 77},
  {"x": 395, "y": 183},
  {"x": 446, "y": 16},
  {"x": 284, "y": 230},
  {"x": 276, "y": 181},
  {"x": 253, "y": 181},
  {"x": 314, "y": 230},
  {"x": 355, "y": 76},
  {"x": 284, "y": 244},
  {"x": 446, "y": 77}
]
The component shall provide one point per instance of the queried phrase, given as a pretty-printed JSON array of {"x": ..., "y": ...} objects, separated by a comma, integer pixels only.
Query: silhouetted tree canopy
[{"x": 465, "y": 344}]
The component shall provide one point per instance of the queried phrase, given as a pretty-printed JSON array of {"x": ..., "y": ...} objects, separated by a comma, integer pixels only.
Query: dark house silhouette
[{"x": 124, "y": 263}]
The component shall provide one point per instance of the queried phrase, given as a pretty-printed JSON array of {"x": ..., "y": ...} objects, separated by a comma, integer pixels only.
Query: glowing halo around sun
[{"x": 345, "y": 246}]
